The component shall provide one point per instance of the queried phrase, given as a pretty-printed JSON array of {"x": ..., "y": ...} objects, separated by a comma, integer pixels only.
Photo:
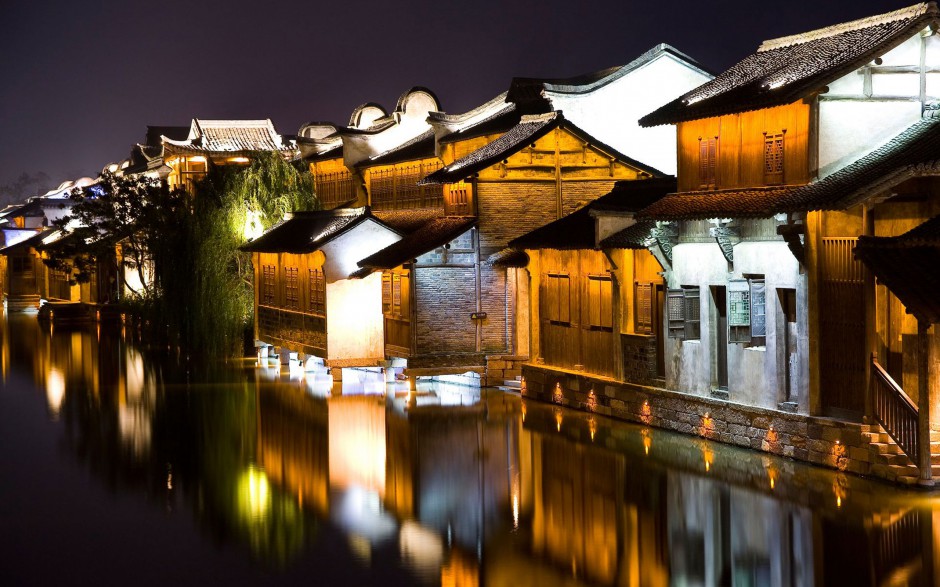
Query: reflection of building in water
[
  {"x": 357, "y": 442},
  {"x": 453, "y": 469},
  {"x": 293, "y": 444},
  {"x": 593, "y": 517},
  {"x": 721, "y": 535}
]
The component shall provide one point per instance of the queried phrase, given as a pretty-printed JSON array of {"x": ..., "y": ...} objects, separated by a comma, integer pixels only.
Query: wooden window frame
[
  {"x": 708, "y": 162},
  {"x": 316, "y": 289},
  {"x": 643, "y": 307},
  {"x": 600, "y": 302},
  {"x": 684, "y": 312},
  {"x": 292, "y": 288},
  {"x": 268, "y": 285},
  {"x": 751, "y": 293},
  {"x": 774, "y": 157},
  {"x": 560, "y": 311}
]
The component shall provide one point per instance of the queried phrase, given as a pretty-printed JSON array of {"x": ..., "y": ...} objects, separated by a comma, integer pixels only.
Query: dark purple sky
[{"x": 81, "y": 80}]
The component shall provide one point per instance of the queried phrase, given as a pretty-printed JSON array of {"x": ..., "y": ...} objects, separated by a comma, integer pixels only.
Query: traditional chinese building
[
  {"x": 785, "y": 160},
  {"x": 596, "y": 291},
  {"x": 305, "y": 297},
  {"x": 219, "y": 142}
]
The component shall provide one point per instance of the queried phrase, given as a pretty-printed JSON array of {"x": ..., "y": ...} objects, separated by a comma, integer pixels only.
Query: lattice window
[
  {"x": 397, "y": 187},
  {"x": 458, "y": 198},
  {"x": 747, "y": 321},
  {"x": 268, "y": 284},
  {"x": 683, "y": 308},
  {"x": 291, "y": 288},
  {"x": 643, "y": 308},
  {"x": 391, "y": 293},
  {"x": 707, "y": 161},
  {"x": 335, "y": 188},
  {"x": 316, "y": 286},
  {"x": 773, "y": 158}
]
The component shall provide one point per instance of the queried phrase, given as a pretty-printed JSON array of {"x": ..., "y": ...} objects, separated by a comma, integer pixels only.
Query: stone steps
[{"x": 511, "y": 384}]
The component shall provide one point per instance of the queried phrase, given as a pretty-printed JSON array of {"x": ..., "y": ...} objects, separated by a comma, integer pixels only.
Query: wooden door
[{"x": 843, "y": 361}]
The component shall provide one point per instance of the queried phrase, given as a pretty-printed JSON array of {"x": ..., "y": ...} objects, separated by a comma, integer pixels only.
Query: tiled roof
[
  {"x": 913, "y": 152},
  {"x": 434, "y": 234},
  {"x": 787, "y": 69},
  {"x": 28, "y": 242},
  {"x": 578, "y": 229},
  {"x": 229, "y": 136},
  {"x": 632, "y": 237},
  {"x": 306, "y": 232},
  {"x": 508, "y": 257},
  {"x": 906, "y": 264},
  {"x": 529, "y": 130},
  {"x": 407, "y": 221}
]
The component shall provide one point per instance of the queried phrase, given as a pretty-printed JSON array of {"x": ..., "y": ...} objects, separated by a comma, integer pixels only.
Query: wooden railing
[
  {"x": 895, "y": 411},
  {"x": 896, "y": 545}
]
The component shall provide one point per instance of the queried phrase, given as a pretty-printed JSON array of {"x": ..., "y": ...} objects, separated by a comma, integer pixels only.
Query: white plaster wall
[
  {"x": 848, "y": 130},
  {"x": 754, "y": 376},
  {"x": 851, "y": 126},
  {"x": 345, "y": 251},
  {"x": 610, "y": 113},
  {"x": 411, "y": 122},
  {"x": 354, "y": 322}
]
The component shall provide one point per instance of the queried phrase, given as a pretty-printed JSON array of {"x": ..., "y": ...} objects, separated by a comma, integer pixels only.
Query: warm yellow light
[
  {"x": 253, "y": 227},
  {"x": 592, "y": 426},
  {"x": 515, "y": 510},
  {"x": 838, "y": 502},
  {"x": 197, "y": 159},
  {"x": 254, "y": 493},
  {"x": 238, "y": 160},
  {"x": 558, "y": 419},
  {"x": 55, "y": 390}
]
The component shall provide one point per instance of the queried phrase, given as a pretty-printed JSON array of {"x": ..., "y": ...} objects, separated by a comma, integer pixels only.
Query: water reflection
[{"x": 438, "y": 485}]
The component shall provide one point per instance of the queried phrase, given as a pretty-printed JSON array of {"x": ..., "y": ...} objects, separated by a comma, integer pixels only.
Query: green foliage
[
  {"x": 207, "y": 281},
  {"x": 197, "y": 285}
]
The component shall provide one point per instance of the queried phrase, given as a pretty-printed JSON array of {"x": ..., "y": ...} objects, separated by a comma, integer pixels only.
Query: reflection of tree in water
[{"x": 176, "y": 445}]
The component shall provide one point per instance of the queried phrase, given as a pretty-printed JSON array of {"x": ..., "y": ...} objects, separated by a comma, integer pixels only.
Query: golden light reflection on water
[{"x": 55, "y": 390}]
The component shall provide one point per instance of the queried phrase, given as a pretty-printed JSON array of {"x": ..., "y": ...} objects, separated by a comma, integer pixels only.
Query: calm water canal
[{"x": 116, "y": 469}]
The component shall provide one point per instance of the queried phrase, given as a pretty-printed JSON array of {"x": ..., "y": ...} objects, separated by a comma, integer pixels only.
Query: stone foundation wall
[
  {"x": 500, "y": 368},
  {"x": 831, "y": 443}
]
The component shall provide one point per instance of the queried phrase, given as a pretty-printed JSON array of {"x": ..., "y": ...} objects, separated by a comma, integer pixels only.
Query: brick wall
[
  {"x": 577, "y": 194},
  {"x": 445, "y": 298},
  {"x": 639, "y": 358}
]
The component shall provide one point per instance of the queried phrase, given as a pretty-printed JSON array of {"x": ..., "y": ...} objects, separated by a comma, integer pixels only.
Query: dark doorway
[{"x": 721, "y": 335}]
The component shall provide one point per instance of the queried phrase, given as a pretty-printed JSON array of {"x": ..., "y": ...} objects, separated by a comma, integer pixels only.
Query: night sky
[{"x": 81, "y": 80}]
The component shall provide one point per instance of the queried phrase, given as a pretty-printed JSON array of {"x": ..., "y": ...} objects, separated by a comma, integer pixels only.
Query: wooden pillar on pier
[{"x": 923, "y": 401}]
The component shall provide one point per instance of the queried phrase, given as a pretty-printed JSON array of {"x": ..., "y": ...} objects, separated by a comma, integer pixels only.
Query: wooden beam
[{"x": 923, "y": 402}]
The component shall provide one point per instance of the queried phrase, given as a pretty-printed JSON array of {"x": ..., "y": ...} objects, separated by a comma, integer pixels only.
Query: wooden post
[
  {"x": 871, "y": 325},
  {"x": 923, "y": 401}
]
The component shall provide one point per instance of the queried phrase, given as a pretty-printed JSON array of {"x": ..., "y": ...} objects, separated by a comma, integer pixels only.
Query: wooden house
[
  {"x": 23, "y": 274},
  {"x": 219, "y": 142},
  {"x": 541, "y": 169},
  {"x": 597, "y": 295},
  {"x": 785, "y": 161},
  {"x": 306, "y": 299}
]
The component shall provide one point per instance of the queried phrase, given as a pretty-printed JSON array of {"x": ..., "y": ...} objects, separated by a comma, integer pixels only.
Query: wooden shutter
[
  {"x": 675, "y": 306},
  {"x": 643, "y": 302},
  {"x": 758, "y": 308},
  {"x": 564, "y": 298},
  {"x": 692, "y": 313},
  {"x": 600, "y": 310},
  {"x": 386, "y": 292}
]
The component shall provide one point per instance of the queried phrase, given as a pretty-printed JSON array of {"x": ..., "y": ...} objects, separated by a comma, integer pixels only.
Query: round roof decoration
[{"x": 365, "y": 116}]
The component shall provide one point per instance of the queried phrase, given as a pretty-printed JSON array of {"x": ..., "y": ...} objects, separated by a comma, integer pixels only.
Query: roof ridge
[{"x": 907, "y": 13}]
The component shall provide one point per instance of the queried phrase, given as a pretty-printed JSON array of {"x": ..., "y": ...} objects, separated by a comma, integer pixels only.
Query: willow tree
[{"x": 207, "y": 281}]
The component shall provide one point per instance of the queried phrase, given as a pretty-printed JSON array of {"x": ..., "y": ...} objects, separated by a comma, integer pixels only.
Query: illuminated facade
[
  {"x": 768, "y": 304},
  {"x": 306, "y": 297}
]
